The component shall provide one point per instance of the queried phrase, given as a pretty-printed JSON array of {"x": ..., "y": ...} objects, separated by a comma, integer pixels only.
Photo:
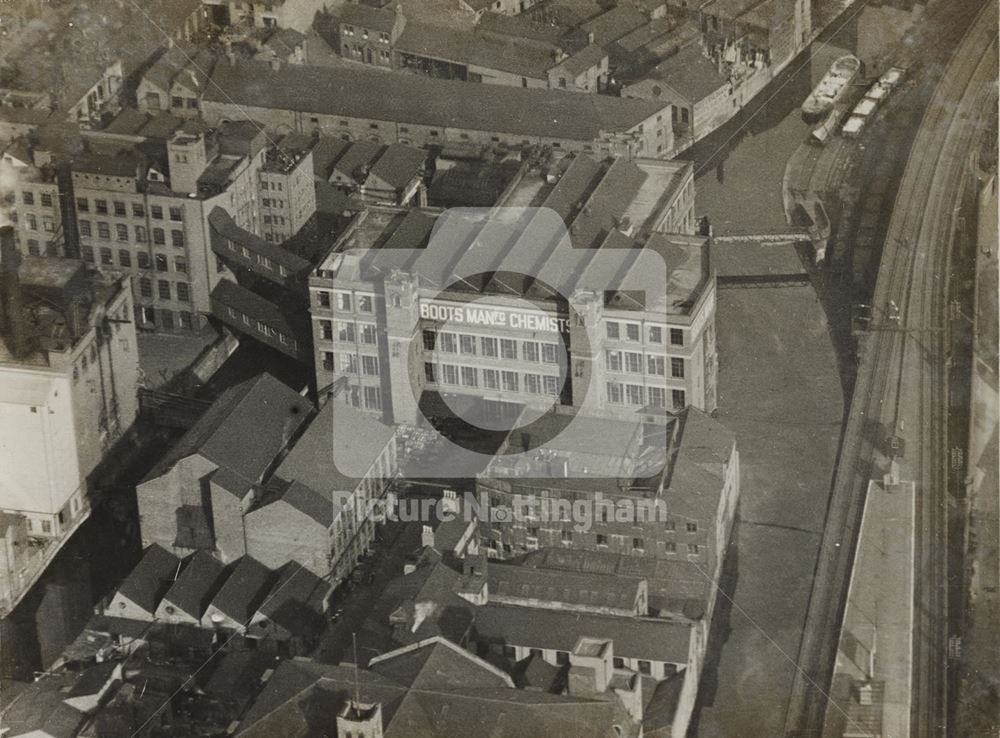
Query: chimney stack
[{"x": 13, "y": 322}]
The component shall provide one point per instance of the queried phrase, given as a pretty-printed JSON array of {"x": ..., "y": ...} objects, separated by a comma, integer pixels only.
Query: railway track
[{"x": 914, "y": 252}]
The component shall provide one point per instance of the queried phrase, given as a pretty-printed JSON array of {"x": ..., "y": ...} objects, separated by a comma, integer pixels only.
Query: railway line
[{"x": 901, "y": 390}]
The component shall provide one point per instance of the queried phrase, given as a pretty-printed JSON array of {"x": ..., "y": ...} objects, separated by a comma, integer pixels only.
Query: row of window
[
  {"x": 164, "y": 290},
  {"x": 491, "y": 379},
  {"x": 31, "y": 223},
  {"x": 347, "y": 302},
  {"x": 147, "y": 315},
  {"x": 142, "y": 260},
  {"x": 261, "y": 327},
  {"x": 348, "y": 332},
  {"x": 122, "y": 233},
  {"x": 632, "y": 363},
  {"x": 349, "y": 364},
  {"x": 637, "y": 395},
  {"x": 620, "y": 331},
  {"x": 120, "y": 209},
  {"x": 258, "y": 258},
  {"x": 369, "y": 398},
  {"x": 383, "y": 37},
  {"x": 493, "y": 348},
  {"x": 28, "y": 198},
  {"x": 35, "y": 249}
]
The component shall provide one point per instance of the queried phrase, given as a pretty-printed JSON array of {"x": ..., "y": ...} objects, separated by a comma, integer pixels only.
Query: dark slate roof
[
  {"x": 245, "y": 588},
  {"x": 399, "y": 164},
  {"x": 284, "y": 41},
  {"x": 375, "y": 19},
  {"x": 303, "y": 699},
  {"x": 589, "y": 589},
  {"x": 326, "y": 152},
  {"x": 490, "y": 51},
  {"x": 438, "y": 664},
  {"x": 660, "y": 710},
  {"x": 360, "y": 154},
  {"x": 40, "y": 711},
  {"x": 675, "y": 585},
  {"x": 223, "y": 222},
  {"x": 237, "y": 674},
  {"x": 310, "y": 503},
  {"x": 197, "y": 584},
  {"x": 614, "y": 24},
  {"x": 273, "y": 410},
  {"x": 581, "y": 61},
  {"x": 151, "y": 577},
  {"x": 311, "y": 461},
  {"x": 690, "y": 73},
  {"x": 537, "y": 673},
  {"x": 250, "y": 303},
  {"x": 296, "y": 600},
  {"x": 361, "y": 93},
  {"x": 634, "y": 638},
  {"x": 92, "y": 680}
]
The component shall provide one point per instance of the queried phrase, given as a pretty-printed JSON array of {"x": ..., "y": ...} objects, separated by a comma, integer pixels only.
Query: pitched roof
[
  {"x": 689, "y": 73},
  {"x": 589, "y": 56},
  {"x": 273, "y": 410},
  {"x": 490, "y": 51},
  {"x": 316, "y": 462},
  {"x": 419, "y": 700},
  {"x": 587, "y": 589},
  {"x": 296, "y": 600},
  {"x": 375, "y": 19},
  {"x": 676, "y": 586},
  {"x": 614, "y": 24},
  {"x": 274, "y": 315},
  {"x": 399, "y": 164},
  {"x": 376, "y": 95},
  {"x": 634, "y": 638},
  {"x": 326, "y": 152},
  {"x": 437, "y": 663},
  {"x": 245, "y": 588},
  {"x": 151, "y": 578},
  {"x": 358, "y": 154},
  {"x": 194, "y": 588},
  {"x": 311, "y": 503},
  {"x": 223, "y": 222}
]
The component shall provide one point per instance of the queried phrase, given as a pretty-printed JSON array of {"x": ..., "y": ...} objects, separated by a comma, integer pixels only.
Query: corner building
[{"x": 413, "y": 340}]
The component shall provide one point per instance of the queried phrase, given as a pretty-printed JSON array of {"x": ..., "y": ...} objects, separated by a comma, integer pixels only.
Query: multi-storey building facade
[
  {"x": 367, "y": 35},
  {"x": 392, "y": 338},
  {"x": 37, "y": 208},
  {"x": 149, "y": 219},
  {"x": 284, "y": 501},
  {"x": 69, "y": 375},
  {"x": 295, "y": 14},
  {"x": 69, "y": 372},
  {"x": 287, "y": 192},
  {"x": 696, "y": 478}
]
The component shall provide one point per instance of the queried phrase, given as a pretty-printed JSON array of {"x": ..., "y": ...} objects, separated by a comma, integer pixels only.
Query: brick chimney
[{"x": 13, "y": 322}]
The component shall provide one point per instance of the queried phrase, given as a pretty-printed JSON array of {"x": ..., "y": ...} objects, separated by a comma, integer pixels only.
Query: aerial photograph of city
[{"x": 337, "y": 399}]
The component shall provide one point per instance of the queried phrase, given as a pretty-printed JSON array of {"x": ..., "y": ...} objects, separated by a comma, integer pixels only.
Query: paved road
[{"x": 900, "y": 389}]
